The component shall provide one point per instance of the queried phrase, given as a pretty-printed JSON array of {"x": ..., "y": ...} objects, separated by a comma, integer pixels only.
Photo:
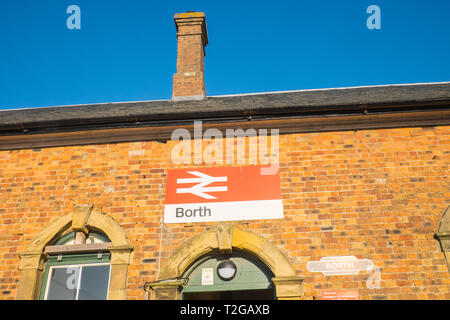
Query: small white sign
[
  {"x": 207, "y": 276},
  {"x": 340, "y": 265}
]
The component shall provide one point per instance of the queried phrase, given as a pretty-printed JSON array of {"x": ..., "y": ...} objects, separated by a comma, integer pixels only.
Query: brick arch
[
  {"x": 225, "y": 239},
  {"x": 82, "y": 218}
]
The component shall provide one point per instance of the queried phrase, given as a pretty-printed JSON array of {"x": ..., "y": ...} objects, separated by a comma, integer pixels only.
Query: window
[{"x": 74, "y": 272}]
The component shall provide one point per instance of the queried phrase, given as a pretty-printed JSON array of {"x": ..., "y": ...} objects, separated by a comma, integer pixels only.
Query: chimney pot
[{"x": 189, "y": 82}]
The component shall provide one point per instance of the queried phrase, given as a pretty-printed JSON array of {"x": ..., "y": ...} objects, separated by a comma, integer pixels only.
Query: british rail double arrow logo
[{"x": 202, "y": 180}]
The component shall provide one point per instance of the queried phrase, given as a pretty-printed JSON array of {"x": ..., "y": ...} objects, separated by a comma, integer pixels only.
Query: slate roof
[{"x": 273, "y": 105}]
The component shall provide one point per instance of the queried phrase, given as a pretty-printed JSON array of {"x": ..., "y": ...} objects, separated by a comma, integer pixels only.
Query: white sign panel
[
  {"x": 207, "y": 276},
  {"x": 340, "y": 265}
]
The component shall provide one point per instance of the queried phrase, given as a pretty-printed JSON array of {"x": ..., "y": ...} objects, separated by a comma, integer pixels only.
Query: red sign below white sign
[
  {"x": 340, "y": 295},
  {"x": 222, "y": 194}
]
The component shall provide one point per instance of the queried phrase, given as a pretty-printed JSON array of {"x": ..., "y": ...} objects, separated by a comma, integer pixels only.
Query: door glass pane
[
  {"x": 63, "y": 283},
  {"x": 94, "y": 283}
]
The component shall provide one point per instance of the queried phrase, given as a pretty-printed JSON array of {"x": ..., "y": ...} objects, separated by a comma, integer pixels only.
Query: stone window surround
[{"x": 32, "y": 260}]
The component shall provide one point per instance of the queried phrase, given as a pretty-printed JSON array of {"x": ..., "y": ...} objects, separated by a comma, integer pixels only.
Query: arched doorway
[
  {"x": 225, "y": 241},
  {"x": 250, "y": 280}
]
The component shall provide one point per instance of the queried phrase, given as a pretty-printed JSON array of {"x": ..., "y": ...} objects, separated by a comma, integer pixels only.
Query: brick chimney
[{"x": 189, "y": 82}]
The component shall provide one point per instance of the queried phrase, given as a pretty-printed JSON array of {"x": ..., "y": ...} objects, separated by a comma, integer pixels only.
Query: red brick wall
[{"x": 375, "y": 194}]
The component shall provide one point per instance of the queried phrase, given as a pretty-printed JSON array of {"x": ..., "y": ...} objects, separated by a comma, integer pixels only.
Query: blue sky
[{"x": 126, "y": 50}]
